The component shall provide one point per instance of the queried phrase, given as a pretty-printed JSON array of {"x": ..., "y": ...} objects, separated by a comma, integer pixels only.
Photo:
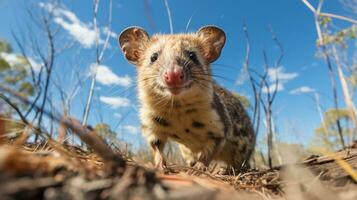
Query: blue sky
[{"x": 296, "y": 116}]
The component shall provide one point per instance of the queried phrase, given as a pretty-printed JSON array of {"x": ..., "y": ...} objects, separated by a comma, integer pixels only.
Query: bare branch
[
  {"x": 328, "y": 14},
  {"x": 169, "y": 16},
  {"x": 84, "y": 133},
  {"x": 251, "y": 79},
  {"x": 15, "y": 107},
  {"x": 331, "y": 72},
  {"x": 99, "y": 55}
]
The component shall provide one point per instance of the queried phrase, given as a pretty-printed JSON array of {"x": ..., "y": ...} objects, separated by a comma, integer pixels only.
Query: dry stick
[
  {"x": 99, "y": 55},
  {"x": 319, "y": 110},
  {"x": 33, "y": 76},
  {"x": 334, "y": 90},
  {"x": 270, "y": 96},
  {"x": 49, "y": 66},
  {"x": 89, "y": 137},
  {"x": 329, "y": 14},
  {"x": 93, "y": 140},
  {"x": 169, "y": 16},
  {"x": 270, "y": 99},
  {"x": 246, "y": 67},
  {"x": 256, "y": 112},
  {"x": 8, "y": 101},
  {"x": 344, "y": 85},
  {"x": 94, "y": 75},
  {"x": 316, "y": 13}
]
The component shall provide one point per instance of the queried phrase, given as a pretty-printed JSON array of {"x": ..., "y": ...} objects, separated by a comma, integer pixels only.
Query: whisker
[
  {"x": 213, "y": 75},
  {"x": 201, "y": 84}
]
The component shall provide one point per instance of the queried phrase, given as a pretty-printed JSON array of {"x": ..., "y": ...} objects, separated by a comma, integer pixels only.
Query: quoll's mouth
[
  {"x": 176, "y": 90},
  {"x": 176, "y": 80}
]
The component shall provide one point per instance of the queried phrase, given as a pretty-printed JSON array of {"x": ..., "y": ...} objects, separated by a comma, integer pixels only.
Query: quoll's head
[{"x": 173, "y": 65}]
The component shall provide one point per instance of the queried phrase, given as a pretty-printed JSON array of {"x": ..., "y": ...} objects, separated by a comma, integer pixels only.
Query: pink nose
[{"x": 174, "y": 77}]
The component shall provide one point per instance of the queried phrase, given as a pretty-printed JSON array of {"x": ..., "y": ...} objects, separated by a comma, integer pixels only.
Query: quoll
[{"x": 180, "y": 101}]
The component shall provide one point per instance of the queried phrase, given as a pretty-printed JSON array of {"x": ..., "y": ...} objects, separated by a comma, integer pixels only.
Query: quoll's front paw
[{"x": 198, "y": 168}]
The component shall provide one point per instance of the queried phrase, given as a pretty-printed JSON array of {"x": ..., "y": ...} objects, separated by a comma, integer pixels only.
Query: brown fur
[{"x": 206, "y": 120}]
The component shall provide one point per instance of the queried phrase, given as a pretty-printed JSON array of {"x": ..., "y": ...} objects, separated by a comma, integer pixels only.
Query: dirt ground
[{"x": 50, "y": 170}]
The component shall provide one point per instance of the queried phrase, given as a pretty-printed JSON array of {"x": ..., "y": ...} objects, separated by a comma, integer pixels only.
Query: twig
[
  {"x": 169, "y": 16},
  {"x": 86, "y": 135},
  {"x": 99, "y": 55},
  {"x": 246, "y": 67},
  {"x": 316, "y": 13},
  {"x": 329, "y": 14},
  {"x": 14, "y": 106},
  {"x": 93, "y": 140}
]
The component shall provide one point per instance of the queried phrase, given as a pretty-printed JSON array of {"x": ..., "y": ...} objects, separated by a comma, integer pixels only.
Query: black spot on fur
[
  {"x": 191, "y": 110},
  {"x": 187, "y": 130},
  {"x": 196, "y": 124},
  {"x": 210, "y": 134},
  {"x": 218, "y": 106},
  {"x": 213, "y": 136},
  {"x": 161, "y": 121}
]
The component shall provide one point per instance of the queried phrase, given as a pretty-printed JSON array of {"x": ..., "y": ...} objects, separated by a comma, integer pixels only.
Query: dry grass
[{"x": 51, "y": 170}]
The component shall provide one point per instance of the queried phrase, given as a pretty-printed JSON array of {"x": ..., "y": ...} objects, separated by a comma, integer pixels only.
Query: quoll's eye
[
  {"x": 192, "y": 55},
  {"x": 154, "y": 57}
]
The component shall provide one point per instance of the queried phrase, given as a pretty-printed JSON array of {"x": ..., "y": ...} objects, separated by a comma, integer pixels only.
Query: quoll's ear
[
  {"x": 213, "y": 39},
  {"x": 132, "y": 42}
]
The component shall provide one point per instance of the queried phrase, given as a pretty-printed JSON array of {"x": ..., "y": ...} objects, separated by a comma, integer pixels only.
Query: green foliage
[
  {"x": 4, "y": 65},
  {"x": 103, "y": 130},
  {"x": 340, "y": 37},
  {"x": 5, "y": 47},
  {"x": 326, "y": 136},
  {"x": 282, "y": 153},
  {"x": 324, "y": 21},
  {"x": 26, "y": 88},
  {"x": 15, "y": 75}
]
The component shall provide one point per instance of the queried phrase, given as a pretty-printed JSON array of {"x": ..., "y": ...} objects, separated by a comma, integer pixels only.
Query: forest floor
[{"x": 50, "y": 170}]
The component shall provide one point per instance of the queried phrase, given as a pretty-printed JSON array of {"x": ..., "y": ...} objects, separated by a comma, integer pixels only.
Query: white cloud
[
  {"x": 273, "y": 87},
  {"x": 242, "y": 77},
  {"x": 10, "y": 58},
  {"x": 106, "y": 76},
  {"x": 131, "y": 129},
  {"x": 115, "y": 102},
  {"x": 302, "y": 90},
  {"x": 282, "y": 76},
  {"x": 81, "y": 32},
  {"x": 35, "y": 66},
  {"x": 111, "y": 33}
]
